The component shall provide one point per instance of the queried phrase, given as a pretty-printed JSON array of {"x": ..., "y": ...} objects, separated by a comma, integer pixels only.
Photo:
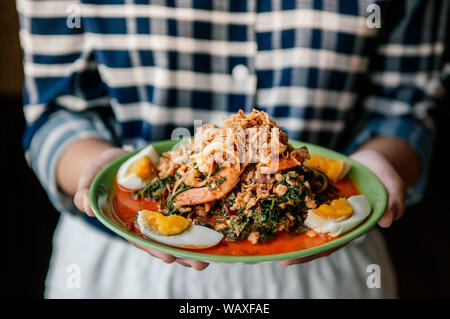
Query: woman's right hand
[{"x": 81, "y": 200}]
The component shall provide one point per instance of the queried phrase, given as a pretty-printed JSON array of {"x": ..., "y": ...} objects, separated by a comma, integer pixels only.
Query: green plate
[{"x": 365, "y": 180}]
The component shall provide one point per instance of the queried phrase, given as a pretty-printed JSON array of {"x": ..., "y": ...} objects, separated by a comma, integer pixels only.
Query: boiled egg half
[
  {"x": 139, "y": 169},
  {"x": 338, "y": 217},
  {"x": 175, "y": 230},
  {"x": 335, "y": 169}
]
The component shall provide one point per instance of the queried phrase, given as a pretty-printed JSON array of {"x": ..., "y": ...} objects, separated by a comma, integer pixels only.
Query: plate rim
[{"x": 360, "y": 230}]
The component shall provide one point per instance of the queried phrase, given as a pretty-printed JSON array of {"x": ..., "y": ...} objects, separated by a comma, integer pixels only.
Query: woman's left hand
[{"x": 393, "y": 184}]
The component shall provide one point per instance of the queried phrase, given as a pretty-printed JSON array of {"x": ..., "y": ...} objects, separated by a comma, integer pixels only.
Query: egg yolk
[
  {"x": 331, "y": 167},
  {"x": 166, "y": 225},
  {"x": 337, "y": 209},
  {"x": 142, "y": 167}
]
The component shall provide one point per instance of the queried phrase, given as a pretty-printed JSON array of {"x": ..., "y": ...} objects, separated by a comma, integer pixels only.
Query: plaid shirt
[{"x": 131, "y": 71}]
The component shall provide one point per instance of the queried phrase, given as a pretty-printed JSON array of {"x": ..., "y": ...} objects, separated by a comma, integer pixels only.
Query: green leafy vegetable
[{"x": 154, "y": 190}]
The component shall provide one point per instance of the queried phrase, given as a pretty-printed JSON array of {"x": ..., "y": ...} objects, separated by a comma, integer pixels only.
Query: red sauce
[{"x": 126, "y": 208}]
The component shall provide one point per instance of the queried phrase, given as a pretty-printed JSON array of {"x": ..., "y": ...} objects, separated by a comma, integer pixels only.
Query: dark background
[{"x": 419, "y": 243}]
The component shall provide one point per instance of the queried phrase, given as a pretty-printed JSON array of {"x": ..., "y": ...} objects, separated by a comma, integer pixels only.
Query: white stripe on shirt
[
  {"x": 161, "y": 115},
  {"x": 302, "y": 96},
  {"x": 307, "y": 57},
  {"x": 59, "y": 8},
  {"x": 65, "y": 44},
  {"x": 428, "y": 81},
  {"x": 310, "y": 19},
  {"x": 184, "y": 80},
  {"x": 45, "y": 8},
  {"x": 422, "y": 49}
]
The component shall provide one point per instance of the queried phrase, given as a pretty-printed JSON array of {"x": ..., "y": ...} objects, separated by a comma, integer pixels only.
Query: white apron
[{"x": 87, "y": 263}]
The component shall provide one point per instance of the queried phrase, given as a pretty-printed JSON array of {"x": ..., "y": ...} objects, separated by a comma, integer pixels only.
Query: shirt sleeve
[
  {"x": 64, "y": 97},
  {"x": 407, "y": 73}
]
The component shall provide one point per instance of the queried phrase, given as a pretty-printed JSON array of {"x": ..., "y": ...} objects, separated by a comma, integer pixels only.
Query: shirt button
[{"x": 240, "y": 73}]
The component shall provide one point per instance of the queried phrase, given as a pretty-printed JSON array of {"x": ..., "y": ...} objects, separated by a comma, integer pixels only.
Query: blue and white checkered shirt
[{"x": 131, "y": 71}]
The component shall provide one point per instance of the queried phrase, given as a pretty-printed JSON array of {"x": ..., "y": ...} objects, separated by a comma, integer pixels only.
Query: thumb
[{"x": 81, "y": 200}]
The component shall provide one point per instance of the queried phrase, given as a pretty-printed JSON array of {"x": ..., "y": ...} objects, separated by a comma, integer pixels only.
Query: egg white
[
  {"x": 335, "y": 227},
  {"x": 344, "y": 171},
  {"x": 195, "y": 236},
  {"x": 133, "y": 181}
]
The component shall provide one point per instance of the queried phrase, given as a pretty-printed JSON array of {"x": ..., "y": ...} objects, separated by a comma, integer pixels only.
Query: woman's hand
[
  {"x": 393, "y": 183},
  {"x": 306, "y": 259},
  {"x": 81, "y": 198}
]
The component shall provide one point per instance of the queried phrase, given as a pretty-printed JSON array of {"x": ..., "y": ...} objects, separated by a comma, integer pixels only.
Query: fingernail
[{"x": 385, "y": 222}]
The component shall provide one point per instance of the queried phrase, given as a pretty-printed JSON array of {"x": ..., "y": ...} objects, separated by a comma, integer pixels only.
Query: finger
[
  {"x": 77, "y": 199},
  {"x": 297, "y": 261},
  {"x": 81, "y": 200},
  {"x": 198, "y": 265},
  {"x": 401, "y": 205},
  {"x": 391, "y": 210},
  {"x": 396, "y": 202},
  {"x": 168, "y": 259},
  {"x": 397, "y": 208},
  {"x": 182, "y": 262},
  {"x": 400, "y": 211},
  {"x": 87, "y": 204},
  {"x": 386, "y": 220},
  {"x": 306, "y": 259},
  {"x": 388, "y": 216}
]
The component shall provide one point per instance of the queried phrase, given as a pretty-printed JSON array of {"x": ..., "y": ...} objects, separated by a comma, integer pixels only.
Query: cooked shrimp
[
  {"x": 296, "y": 158},
  {"x": 279, "y": 164},
  {"x": 193, "y": 179},
  {"x": 195, "y": 196}
]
